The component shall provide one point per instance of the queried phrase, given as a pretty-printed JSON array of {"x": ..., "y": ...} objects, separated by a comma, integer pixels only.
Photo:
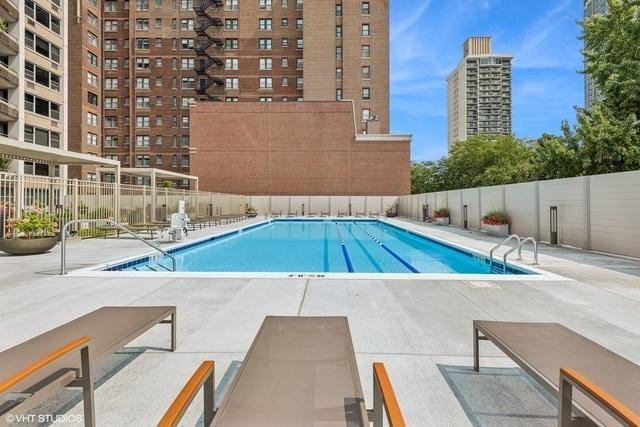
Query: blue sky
[{"x": 426, "y": 45}]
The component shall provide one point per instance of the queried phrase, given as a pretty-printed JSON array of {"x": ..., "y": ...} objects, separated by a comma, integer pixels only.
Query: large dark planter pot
[
  {"x": 252, "y": 215},
  {"x": 391, "y": 214},
  {"x": 28, "y": 246}
]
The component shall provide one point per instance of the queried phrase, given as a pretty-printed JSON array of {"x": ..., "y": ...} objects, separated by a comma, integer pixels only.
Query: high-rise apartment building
[
  {"x": 479, "y": 92},
  {"x": 154, "y": 58},
  {"x": 591, "y": 9},
  {"x": 33, "y": 77}
]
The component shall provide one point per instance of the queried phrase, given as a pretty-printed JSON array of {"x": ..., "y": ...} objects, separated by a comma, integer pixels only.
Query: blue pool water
[{"x": 320, "y": 246}]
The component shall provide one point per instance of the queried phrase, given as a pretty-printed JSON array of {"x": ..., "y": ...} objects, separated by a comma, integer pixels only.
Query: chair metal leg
[
  {"x": 565, "y": 403},
  {"x": 174, "y": 319},
  {"x": 209, "y": 399},
  {"x": 377, "y": 418},
  {"x": 476, "y": 350},
  {"x": 87, "y": 388}
]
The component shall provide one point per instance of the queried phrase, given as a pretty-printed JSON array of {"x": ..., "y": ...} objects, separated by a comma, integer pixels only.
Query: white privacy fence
[
  {"x": 318, "y": 205},
  {"x": 70, "y": 199},
  {"x": 599, "y": 212}
]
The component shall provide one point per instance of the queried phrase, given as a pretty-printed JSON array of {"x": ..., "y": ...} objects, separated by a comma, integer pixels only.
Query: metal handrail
[
  {"x": 513, "y": 236},
  {"x": 519, "y": 248},
  {"x": 63, "y": 240}
]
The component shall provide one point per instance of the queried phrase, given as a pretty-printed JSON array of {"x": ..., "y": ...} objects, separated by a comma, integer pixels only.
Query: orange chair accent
[
  {"x": 179, "y": 406},
  {"x": 598, "y": 394},
  {"x": 390, "y": 403},
  {"x": 5, "y": 385}
]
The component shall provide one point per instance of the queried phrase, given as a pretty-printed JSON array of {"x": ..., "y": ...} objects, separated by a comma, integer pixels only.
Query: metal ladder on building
[
  {"x": 63, "y": 241},
  {"x": 518, "y": 247}
]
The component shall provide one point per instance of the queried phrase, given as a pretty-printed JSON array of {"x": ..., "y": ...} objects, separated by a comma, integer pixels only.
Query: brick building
[{"x": 307, "y": 148}]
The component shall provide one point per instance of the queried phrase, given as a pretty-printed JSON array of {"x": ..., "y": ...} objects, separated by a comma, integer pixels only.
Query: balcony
[
  {"x": 8, "y": 111},
  {"x": 8, "y": 77},
  {"x": 8, "y": 44},
  {"x": 9, "y": 11}
]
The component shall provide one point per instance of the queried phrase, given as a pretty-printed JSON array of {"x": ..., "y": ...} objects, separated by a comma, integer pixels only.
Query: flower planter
[
  {"x": 252, "y": 214},
  {"x": 38, "y": 245},
  {"x": 391, "y": 214},
  {"x": 498, "y": 230},
  {"x": 442, "y": 220}
]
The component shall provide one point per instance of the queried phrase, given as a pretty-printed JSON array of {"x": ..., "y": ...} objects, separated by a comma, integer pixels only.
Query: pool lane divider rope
[
  {"x": 345, "y": 252},
  {"x": 386, "y": 248}
]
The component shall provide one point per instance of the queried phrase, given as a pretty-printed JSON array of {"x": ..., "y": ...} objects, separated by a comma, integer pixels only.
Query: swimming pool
[{"x": 320, "y": 246}]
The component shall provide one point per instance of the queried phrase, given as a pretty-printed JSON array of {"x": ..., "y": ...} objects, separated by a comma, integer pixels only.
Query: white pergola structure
[
  {"x": 154, "y": 174},
  {"x": 17, "y": 150}
]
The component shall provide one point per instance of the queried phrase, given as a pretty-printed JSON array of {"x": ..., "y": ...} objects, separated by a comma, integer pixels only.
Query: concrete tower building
[
  {"x": 33, "y": 77},
  {"x": 479, "y": 92}
]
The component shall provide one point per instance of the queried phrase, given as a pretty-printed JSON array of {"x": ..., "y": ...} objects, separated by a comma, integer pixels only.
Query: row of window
[
  {"x": 111, "y": 102},
  {"x": 233, "y": 83},
  {"x": 41, "y": 106},
  {"x": 42, "y": 16},
  {"x": 365, "y": 31},
  {"x": 111, "y": 141},
  {"x": 142, "y": 122},
  {"x": 142, "y": 5},
  {"x": 144, "y": 160},
  {"x": 42, "y": 46},
  {"x": 42, "y": 137},
  {"x": 41, "y": 76}
]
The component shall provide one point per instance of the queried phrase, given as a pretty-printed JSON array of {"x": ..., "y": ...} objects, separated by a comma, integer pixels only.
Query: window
[
  {"x": 142, "y": 82},
  {"x": 284, "y": 42},
  {"x": 111, "y": 84},
  {"x": 92, "y": 59},
  {"x": 284, "y": 22},
  {"x": 188, "y": 82},
  {"x": 231, "y": 43},
  {"x": 366, "y": 114},
  {"x": 186, "y": 24},
  {"x": 266, "y": 99},
  {"x": 110, "y": 102},
  {"x": 366, "y": 93},
  {"x": 111, "y": 141},
  {"x": 285, "y": 62},
  {"x": 231, "y": 99},
  {"x": 185, "y": 122},
  {"x": 299, "y": 63},
  {"x": 142, "y": 102},
  {"x": 300, "y": 83},
  {"x": 264, "y": 24},
  {"x": 158, "y": 62},
  {"x": 366, "y": 51},
  {"x": 158, "y": 101},
  {"x": 366, "y": 30},
  {"x": 299, "y": 4},
  {"x": 299, "y": 24},
  {"x": 142, "y": 4},
  {"x": 366, "y": 8},
  {"x": 111, "y": 44},
  {"x": 142, "y": 121},
  {"x": 231, "y": 63},
  {"x": 338, "y": 94},
  {"x": 42, "y": 137},
  {"x": 266, "y": 64},
  {"x": 186, "y": 4},
  {"x": 110, "y": 6},
  {"x": 187, "y": 63},
  {"x": 142, "y": 161},
  {"x": 110, "y": 25},
  {"x": 284, "y": 3},
  {"x": 338, "y": 53},
  {"x": 285, "y": 99},
  {"x": 41, "y": 106},
  {"x": 158, "y": 43},
  {"x": 158, "y": 120},
  {"x": 142, "y": 63},
  {"x": 92, "y": 138},
  {"x": 231, "y": 83},
  {"x": 184, "y": 140},
  {"x": 265, "y": 4},
  {"x": 92, "y": 19},
  {"x": 92, "y": 39},
  {"x": 159, "y": 140},
  {"x": 43, "y": 47},
  {"x": 285, "y": 81},
  {"x": 42, "y": 76},
  {"x": 338, "y": 73},
  {"x": 92, "y": 98},
  {"x": 231, "y": 5},
  {"x": 265, "y": 44},
  {"x": 187, "y": 43},
  {"x": 42, "y": 16},
  {"x": 338, "y": 10},
  {"x": 92, "y": 119},
  {"x": 230, "y": 24},
  {"x": 338, "y": 31},
  {"x": 142, "y": 25},
  {"x": 185, "y": 160},
  {"x": 366, "y": 72},
  {"x": 142, "y": 43},
  {"x": 92, "y": 79},
  {"x": 111, "y": 64},
  {"x": 187, "y": 101},
  {"x": 299, "y": 43},
  {"x": 266, "y": 83}
]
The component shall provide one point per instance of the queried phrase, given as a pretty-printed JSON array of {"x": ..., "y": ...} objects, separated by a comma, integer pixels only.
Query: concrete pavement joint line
[
  {"x": 473, "y": 303},
  {"x": 150, "y": 292},
  {"x": 304, "y": 295}
]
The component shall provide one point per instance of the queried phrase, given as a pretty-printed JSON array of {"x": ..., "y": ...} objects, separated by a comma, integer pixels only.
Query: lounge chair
[
  {"x": 559, "y": 359},
  {"x": 292, "y": 214},
  {"x": 309, "y": 364},
  {"x": 65, "y": 356},
  {"x": 341, "y": 214},
  {"x": 374, "y": 214},
  {"x": 361, "y": 214},
  {"x": 324, "y": 214},
  {"x": 276, "y": 214}
]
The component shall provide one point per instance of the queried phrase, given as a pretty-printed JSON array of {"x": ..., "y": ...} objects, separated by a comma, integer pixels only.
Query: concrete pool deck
[{"x": 420, "y": 329}]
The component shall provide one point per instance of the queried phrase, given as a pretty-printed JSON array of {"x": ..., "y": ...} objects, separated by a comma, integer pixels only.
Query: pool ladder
[{"x": 518, "y": 247}]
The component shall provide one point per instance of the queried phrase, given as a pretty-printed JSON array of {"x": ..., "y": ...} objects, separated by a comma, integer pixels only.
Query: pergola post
[
  {"x": 116, "y": 196},
  {"x": 154, "y": 196}
]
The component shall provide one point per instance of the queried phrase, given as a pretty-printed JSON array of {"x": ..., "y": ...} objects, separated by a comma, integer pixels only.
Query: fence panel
[
  {"x": 471, "y": 198},
  {"x": 520, "y": 203},
  {"x": 454, "y": 203},
  {"x": 569, "y": 196}
]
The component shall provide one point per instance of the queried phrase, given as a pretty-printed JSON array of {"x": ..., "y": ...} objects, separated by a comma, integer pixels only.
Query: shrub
[
  {"x": 495, "y": 217},
  {"x": 34, "y": 224},
  {"x": 441, "y": 213}
]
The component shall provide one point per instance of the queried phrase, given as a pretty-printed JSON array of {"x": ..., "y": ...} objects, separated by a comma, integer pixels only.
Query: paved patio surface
[{"x": 420, "y": 329}]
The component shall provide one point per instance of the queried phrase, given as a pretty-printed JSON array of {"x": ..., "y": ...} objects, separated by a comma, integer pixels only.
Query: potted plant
[
  {"x": 251, "y": 212},
  {"x": 496, "y": 223},
  {"x": 5, "y": 213},
  {"x": 390, "y": 212},
  {"x": 35, "y": 233},
  {"x": 441, "y": 216}
]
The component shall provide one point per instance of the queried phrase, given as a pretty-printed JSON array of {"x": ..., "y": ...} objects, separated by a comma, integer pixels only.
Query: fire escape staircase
[{"x": 208, "y": 65}]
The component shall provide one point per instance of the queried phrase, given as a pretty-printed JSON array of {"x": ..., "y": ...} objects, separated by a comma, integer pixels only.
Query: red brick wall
[{"x": 296, "y": 148}]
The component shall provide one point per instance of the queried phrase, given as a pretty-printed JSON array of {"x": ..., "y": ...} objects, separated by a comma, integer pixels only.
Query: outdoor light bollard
[
  {"x": 464, "y": 215},
  {"x": 424, "y": 213},
  {"x": 553, "y": 225}
]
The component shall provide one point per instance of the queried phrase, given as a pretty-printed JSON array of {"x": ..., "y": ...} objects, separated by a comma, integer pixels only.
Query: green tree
[
  {"x": 427, "y": 177},
  {"x": 167, "y": 184},
  {"x": 612, "y": 56},
  {"x": 4, "y": 164},
  {"x": 488, "y": 160},
  {"x": 557, "y": 156}
]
